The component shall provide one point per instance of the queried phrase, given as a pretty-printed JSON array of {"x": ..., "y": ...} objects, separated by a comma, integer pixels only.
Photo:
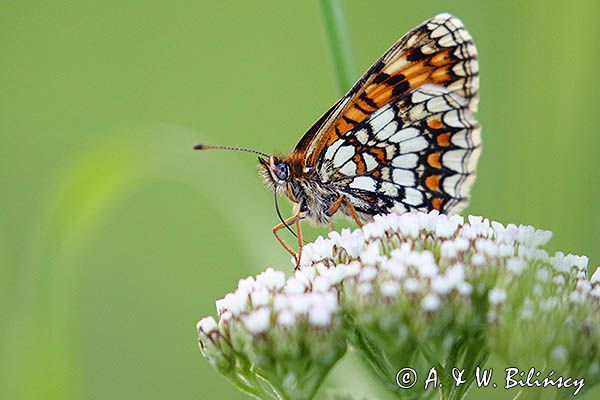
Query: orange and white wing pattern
[
  {"x": 405, "y": 136},
  {"x": 417, "y": 153},
  {"x": 440, "y": 51}
]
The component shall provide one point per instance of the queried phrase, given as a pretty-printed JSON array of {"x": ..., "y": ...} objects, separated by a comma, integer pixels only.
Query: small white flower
[
  {"x": 576, "y": 297},
  {"x": 543, "y": 274},
  {"x": 448, "y": 250},
  {"x": 541, "y": 237},
  {"x": 478, "y": 259},
  {"x": 584, "y": 286},
  {"x": 506, "y": 234},
  {"x": 579, "y": 262},
  {"x": 318, "y": 250},
  {"x": 246, "y": 285},
  {"x": 441, "y": 285},
  {"x": 390, "y": 288},
  {"x": 282, "y": 301},
  {"x": 295, "y": 285},
  {"x": 257, "y": 321},
  {"x": 408, "y": 225},
  {"x": 525, "y": 234},
  {"x": 352, "y": 269},
  {"x": 516, "y": 265},
  {"x": 365, "y": 289},
  {"x": 305, "y": 275},
  {"x": 367, "y": 274},
  {"x": 596, "y": 276},
  {"x": 532, "y": 253},
  {"x": 564, "y": 263},
  {"x": 260, "y": 297},
  {"x": 370, "y": 255},
  {"x": 328, "y": 301},
  {"x": 207, "y": 325},
  {"x": 446, "y": 227},
  {"x": 559, "y": 280},
  {"x": 374, "y": 230},
  {"x": 270, "y": 279},
  {"x": 319, "y": 317},
  {"x": 352, "y": 242},
  {"x": 506, "y": 250},
  {"x": 487, "y": 247},
  {"x": 452, "y": 248},
  {"x": 233, "y": 302},
  {"x": 286, "y": 318},
  {"x": 300, "y": 304},
  {"x": 455, "y": 274},
  {"x": 424, "y": 262},
  {"x": 479, "y": 225},
  {"x": 431, "y": 302},
  {"x": 465, "y": 288},
  {"x": 333, "y": 275},
  {"x": 411, "y": 285},
  {"x": 395, "y": 267},
  {"x": 225, "y": 316},
  {"x": 497, "y": 296},
  {"x": 468, "y": 232},
  {"x": 322, "y": 284},
  {"x": 428, "y": 221}
]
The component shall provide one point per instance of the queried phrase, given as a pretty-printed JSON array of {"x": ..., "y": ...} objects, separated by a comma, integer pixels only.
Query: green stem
[
  {"x": 338, "y": 41},
  {"x": 241, "y": 385}
]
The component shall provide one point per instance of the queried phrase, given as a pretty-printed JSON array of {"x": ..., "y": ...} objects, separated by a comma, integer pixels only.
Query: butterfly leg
[
  {"x": 333, "y": 209},
  {"x": 343, "y": 199},
  {"x": 294, "y": 219},
  {"x": 352, "y": 211},
  {"x": 300, "y": 242}
]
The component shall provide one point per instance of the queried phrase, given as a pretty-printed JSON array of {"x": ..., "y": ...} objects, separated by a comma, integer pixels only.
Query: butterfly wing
[
  {"x": 439, "y": 51},
  {"x": 415, "y": 153}
]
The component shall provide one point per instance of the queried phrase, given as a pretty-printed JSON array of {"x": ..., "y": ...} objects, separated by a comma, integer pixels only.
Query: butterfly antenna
[{"x": 206, "y": 147}]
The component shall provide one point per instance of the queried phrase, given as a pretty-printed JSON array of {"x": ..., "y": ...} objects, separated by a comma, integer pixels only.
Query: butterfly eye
[{"x": 282, "y": 171}]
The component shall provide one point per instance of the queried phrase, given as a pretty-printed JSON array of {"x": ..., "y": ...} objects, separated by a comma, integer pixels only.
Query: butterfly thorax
[{"x": 302, "y": 185}]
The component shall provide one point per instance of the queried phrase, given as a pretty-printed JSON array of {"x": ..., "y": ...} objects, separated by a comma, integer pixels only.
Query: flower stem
[{"x": 338, "y": 41}]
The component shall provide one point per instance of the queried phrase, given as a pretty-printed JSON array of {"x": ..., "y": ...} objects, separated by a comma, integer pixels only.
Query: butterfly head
[{"x": 275, "y": 172}]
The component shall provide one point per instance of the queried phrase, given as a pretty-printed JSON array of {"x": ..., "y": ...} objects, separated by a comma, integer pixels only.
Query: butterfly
[{"x": 404, "y": 138}]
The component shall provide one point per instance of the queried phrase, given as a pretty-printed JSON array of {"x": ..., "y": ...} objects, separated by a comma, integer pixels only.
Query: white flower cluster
[
  {"x": 434, "y": 254},
  {"x": 269, "y": 300},
  {"x": 411, "y": 287},
  {"x": 451, "y": 233},
  {"x": 288, "y": 332}
]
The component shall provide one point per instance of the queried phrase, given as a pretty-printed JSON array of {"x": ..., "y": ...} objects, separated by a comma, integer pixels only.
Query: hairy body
[{"x": 313, "y": 199}]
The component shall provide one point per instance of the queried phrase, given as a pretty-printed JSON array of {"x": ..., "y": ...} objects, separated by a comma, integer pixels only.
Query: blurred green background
[{"x": 115, "y": 237}]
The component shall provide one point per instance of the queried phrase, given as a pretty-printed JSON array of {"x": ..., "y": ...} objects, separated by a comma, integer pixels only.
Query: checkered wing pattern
[
  {"x": 405, "y": 136},
  {"x": 418, "y": 153}
]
